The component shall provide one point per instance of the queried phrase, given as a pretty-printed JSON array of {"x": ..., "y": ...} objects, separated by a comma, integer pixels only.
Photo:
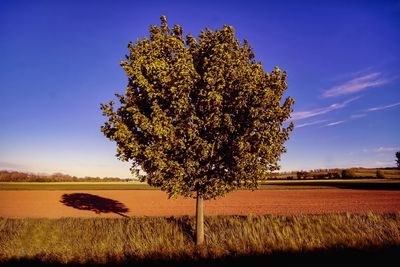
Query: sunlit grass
[
  {"x": 78, "y": 240},
  {"x": 384, "y": 184},
  {"x": 74, "y": 186},
  {"x": 266, "y": 184}
]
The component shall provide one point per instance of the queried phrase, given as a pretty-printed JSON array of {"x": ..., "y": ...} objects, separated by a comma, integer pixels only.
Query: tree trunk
[{"x": 199, "y": 220}]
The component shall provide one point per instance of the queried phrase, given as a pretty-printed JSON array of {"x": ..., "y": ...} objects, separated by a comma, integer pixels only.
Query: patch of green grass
[
  {"x": 101, "y": 241},
  {"x": 367, "y": 184},
  {"x": 370, "y": 184},
  {"x": 75, "y": 186}
]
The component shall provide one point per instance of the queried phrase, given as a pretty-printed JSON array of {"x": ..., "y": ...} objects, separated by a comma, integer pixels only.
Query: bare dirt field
[{"x": 116, "y": 203}]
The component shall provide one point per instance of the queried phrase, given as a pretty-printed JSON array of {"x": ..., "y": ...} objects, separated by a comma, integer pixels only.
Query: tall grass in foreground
[{"x": 101, "y": 240}]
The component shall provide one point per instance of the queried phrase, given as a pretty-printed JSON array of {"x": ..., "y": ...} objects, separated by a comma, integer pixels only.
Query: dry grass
[{"x": 78, "y": 240}]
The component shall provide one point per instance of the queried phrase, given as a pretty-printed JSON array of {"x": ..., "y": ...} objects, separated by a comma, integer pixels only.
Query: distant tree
[
  {"x": 6, "y": 176},
  {"x": 380, "y": 174},
  {"x": 333, "y": 175},
  {"x": 200, "y": 117},
  {"x": 302, "y": 175},
  {"x": 398, "y": 159},
  {"x": 348, "y": 173}
]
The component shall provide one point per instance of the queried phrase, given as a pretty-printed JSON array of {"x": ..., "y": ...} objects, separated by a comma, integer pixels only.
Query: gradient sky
[{"x": 60, "y": 59}]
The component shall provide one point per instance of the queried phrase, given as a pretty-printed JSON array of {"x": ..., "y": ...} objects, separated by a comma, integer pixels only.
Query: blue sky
[{"x": 60, "y": 59}]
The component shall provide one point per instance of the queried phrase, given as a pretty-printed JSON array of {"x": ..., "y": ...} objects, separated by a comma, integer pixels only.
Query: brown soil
[{"x": 114, "y": 203}]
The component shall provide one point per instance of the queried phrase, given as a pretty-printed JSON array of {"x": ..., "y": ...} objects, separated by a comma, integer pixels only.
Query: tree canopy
[{"x": 199, "y": 115}]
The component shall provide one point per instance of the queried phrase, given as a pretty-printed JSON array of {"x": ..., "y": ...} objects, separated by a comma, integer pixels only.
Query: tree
[
  {"x": 348, "y": 173},
  {"x": 200, "y": 117},
  {"x": 380, "y": 174},
  {"x": 398, "y": 159}
]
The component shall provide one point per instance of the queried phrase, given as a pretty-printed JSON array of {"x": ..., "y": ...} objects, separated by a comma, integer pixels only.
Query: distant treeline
[
  {"x": 14, "y": 176},
  {"x": 350, "y": 173}
]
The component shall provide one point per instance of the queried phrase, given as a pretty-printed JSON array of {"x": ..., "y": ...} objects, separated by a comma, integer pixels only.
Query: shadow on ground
[
  {"x": 387, "y": 257},
  {"x": 97, "y": 204},
  {"x": 185, "y": 224}
]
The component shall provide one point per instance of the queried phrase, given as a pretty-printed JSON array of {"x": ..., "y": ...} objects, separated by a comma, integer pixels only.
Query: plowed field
[{"x": 115, "y": 203}]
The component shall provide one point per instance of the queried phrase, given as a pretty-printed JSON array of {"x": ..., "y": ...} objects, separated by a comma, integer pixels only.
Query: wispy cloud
[
  {"x": 319, "y": 111},
  {"x": 334, "y": 123},
  {"x": 362, "y": 115},
  {"x": 357, "y": 84},
  {"x": 386, "y": 149},
  {"x": 381, "y": 150},
  {"x": 383, "y": 107},
  {"x": 310, "y": 123},
  {"x": 357, "y": 116}
]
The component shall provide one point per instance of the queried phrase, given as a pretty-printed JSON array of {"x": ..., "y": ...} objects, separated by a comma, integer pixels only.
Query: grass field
[
  {"x": 230, "y": 240},
  {"x": 75, "y": 186},
  {"x": 370, "y": 184},
  {"x": 358, "y": 173},
  {"x": 371, "y": 239},
  {"x": 386, "y": 184},
  {"x": 372, "y": 173}
]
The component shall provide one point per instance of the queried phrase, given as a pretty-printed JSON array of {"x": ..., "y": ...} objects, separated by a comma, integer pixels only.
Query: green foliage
[
  {"x": 199, "y": 115},
  {"x": 336, "y": 173},
  {"x": 326, "y": 175},
  {"x": 348, "y": 173},
  {"x": 333, "y": 175},
  {"x": 302, "y": 175},
  {"x": 14, "y": 176}
]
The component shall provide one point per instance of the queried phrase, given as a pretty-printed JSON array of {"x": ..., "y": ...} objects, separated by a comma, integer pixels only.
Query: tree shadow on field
[{"x": 83, "y": 201}]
